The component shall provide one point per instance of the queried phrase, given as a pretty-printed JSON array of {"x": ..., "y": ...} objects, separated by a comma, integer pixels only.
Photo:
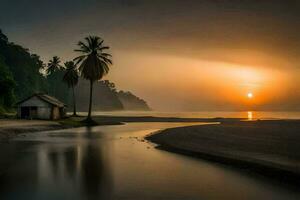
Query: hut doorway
[
  {"x": 25, "y": 112},
  {"x": 28, "y": 112}
]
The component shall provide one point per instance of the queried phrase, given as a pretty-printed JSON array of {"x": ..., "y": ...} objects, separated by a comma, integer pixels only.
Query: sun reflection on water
[{"x": 250, "y": 115}]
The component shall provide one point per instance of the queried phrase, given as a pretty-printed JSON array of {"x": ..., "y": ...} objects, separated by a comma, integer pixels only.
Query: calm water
[
  {"x": 245, "y": 114},
  {"x": 113, "y": 162}
]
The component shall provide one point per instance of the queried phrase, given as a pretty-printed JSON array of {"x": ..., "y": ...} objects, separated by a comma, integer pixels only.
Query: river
[{"x": 114, "y": 162}]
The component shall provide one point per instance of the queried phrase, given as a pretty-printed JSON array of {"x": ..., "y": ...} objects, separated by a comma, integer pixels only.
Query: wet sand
[
  {"x": 270, "y": 147},
  {"x": 12, "y": 127}
]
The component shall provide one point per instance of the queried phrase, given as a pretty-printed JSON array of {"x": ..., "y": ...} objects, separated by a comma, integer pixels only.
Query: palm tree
[
  {"x": 53, "y": 65},
  {"x": 71, "y": 79},
  {"x": 53, "y": 68},
  {"x": 94, "y": 63}
]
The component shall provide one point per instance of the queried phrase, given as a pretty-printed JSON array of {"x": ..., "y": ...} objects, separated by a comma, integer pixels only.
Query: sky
[{"x": 192, "y": 55}]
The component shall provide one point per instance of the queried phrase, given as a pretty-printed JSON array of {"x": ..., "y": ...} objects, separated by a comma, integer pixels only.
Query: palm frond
[
  {"x": 71, "y": 74},
  {"x": 103, "y": 48},
  {"x": 107, "y": 60},
  {"x": 53, "y": 65},
  {"x": 93, "y": 63},
  {"x": 79, "y": 59},
  {"x": 106, "y": 55},
  {"x": 83, "y": 47}
]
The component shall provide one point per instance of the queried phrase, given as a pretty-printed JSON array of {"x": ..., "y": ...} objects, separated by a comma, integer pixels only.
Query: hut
[{"x": 40, "y": 106}]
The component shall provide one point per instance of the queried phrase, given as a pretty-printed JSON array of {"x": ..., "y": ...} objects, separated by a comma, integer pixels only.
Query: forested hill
[
  {"x": 19, "y": 73},
  {"x": 107, "y": 97},
  {"x": 132, "y": 102},
  {"x": 103, "y": 97},
  {"x": 21, "y": 76}
]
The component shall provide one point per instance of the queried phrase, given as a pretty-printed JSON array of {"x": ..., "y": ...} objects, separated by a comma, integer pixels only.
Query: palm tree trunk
[
  {"x": 74, "y": 102},
  {"x": 91, "y": 100}
]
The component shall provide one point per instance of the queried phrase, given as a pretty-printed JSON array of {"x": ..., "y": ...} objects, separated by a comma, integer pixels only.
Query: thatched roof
[{"x": 47, "y": 98}]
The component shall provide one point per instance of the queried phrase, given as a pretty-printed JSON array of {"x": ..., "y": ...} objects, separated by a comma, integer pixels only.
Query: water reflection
[
  {"x": 113, "y": 162},
  {"x": 250, "y": 115},
  {"x": 61, "y": 171},
  {"x": 95, "y": 174}
]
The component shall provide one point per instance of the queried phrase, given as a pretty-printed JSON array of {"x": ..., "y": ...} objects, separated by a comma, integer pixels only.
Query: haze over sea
[{"x": 210, "y": 114}]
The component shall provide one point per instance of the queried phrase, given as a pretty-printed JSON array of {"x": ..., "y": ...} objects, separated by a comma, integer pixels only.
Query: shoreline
[
  {"x": 10, "y": 127},
  {"x": 191, "y": 141}
]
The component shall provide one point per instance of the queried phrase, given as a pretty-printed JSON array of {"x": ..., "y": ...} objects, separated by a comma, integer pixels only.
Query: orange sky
[{"x": 200, "y": 84}]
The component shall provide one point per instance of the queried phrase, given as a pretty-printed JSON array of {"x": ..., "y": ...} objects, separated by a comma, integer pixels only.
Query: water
[
  {"x": 113, "y": 162},
  {"x": 242, "y": 114}
]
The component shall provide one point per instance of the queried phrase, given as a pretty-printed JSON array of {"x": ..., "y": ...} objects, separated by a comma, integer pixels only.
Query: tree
[
  {"x": 7, "y": 85},
  {"x": 3, "y": 37},
  {"x": 55, "y": 73},
  {"x": 71, "y": 79},
  {"x": 110, "y": 85},
  {"x": 24, "y": 68},
  {"x": 53, "y": 65},
  {"x": 94, "y": 63}
]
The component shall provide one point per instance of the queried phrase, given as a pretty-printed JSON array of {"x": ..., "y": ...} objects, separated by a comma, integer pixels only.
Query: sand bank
[{"x": 271, "y": 147}]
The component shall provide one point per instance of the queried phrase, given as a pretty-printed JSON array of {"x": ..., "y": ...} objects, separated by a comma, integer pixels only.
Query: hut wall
[
  {"x": 44, "y": 112},
  {"x": 55, "y": 112},
  {"x": 43, "y": 108}
]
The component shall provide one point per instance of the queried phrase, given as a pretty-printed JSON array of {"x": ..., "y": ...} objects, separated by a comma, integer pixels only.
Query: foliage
[
  {"x": 7, "y": 85},
  {"x": 71, "y": 74},
  {"x": 24, "y": 67},
  {"x": 55, "y": 74},
  {"x": 132, "y": 102},
  {"x": 53, "y": 65},
  {"x": 94, "y": 63},
  {"x": 71, "y": 79}
]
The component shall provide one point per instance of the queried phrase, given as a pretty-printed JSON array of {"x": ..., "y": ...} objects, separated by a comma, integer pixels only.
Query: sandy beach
[
  {"x": 265, "y": 146},
  {"x": 12, "y": 127}
]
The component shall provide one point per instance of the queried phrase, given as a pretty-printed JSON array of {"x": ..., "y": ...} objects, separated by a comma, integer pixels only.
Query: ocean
[{"x": 241, "y": 114}]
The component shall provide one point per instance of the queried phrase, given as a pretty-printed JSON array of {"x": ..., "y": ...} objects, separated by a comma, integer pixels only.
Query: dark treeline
[
  {"x": 23, "y": 74},
  {"x": 19, "y": 73}
]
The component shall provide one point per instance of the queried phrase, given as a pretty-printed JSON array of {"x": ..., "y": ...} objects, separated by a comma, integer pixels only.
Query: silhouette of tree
[
  {"x": 55, "y": 72},
  {"x": 71, "y": 79},
  {"x": 94, "y": 63},
  {"x": 110, "y": 85},
  {"x": 3, "y": 37},
  {"x": 53, "y": 65}
]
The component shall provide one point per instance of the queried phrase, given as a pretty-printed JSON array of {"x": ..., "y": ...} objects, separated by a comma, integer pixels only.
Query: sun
[{"x": 250, "y": 95}]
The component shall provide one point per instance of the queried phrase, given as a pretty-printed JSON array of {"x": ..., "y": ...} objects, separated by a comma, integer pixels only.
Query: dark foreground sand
[
  {"x": 271, "y": 147},
  {"x": 12, "y": 127}
]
